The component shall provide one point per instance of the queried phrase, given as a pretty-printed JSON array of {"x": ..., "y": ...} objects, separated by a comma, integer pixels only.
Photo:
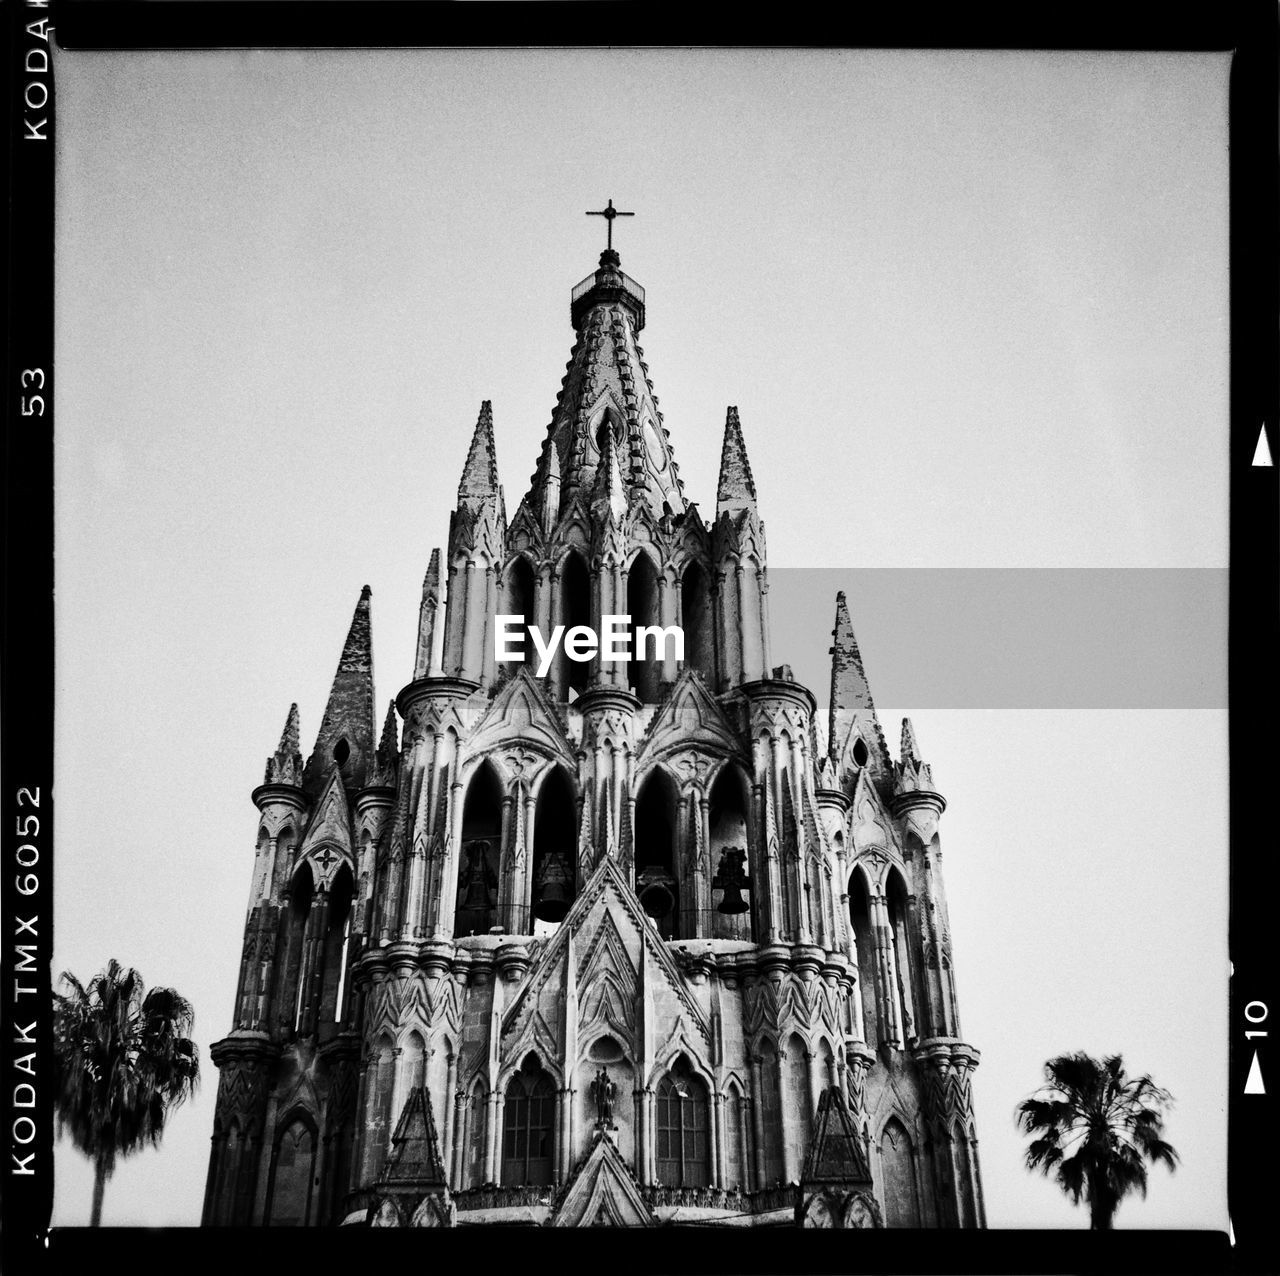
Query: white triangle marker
[
  {"x": 1262, "y": 453},
  {"x": 1253, "y": 1084}
]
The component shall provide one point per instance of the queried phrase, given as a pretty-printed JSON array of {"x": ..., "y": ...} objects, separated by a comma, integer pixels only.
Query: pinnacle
[
  {"x": 737, "y": 488},
  {"x": 480, "y": 473},
  {"x": 843, "y": 632},
  {"x": 290, "y": 742},
  {"x": 284, "y": 766},
  {"x": 910, "y": 747},
  {"x": 387, "y": 746},
  {"x": 348, "y": 715},
  {"x": 431, "y": 581},
  {"x": 851, "y": 701}
]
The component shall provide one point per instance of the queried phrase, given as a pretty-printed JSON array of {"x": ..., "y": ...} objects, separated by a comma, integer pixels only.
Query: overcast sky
[{"x": 972, "y": 309}]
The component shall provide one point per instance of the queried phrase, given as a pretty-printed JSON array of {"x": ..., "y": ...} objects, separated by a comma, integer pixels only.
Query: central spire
[{"x": 606, "y": 391}]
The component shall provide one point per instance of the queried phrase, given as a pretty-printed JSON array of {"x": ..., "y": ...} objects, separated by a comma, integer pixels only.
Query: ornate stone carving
[{"x": 830, "y": 1207}]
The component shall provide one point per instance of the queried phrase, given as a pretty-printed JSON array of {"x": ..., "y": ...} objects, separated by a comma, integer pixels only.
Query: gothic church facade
[{"x": 634, "y": 942}]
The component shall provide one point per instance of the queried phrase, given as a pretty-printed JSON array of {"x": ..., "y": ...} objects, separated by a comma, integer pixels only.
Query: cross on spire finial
[{"x": 608, "y": 213}]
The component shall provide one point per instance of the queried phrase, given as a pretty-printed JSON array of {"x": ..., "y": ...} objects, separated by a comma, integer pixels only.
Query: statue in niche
[{"x": 603, "y": 1093}]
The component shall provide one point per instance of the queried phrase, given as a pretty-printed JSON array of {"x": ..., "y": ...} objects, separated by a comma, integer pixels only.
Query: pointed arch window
[
  {"x": 478, "y": 863},
  {"x": 683, "y": 1147},
  {"x": 519, "y": 601},
  {"x": 575, "y": 609},
  {"x": 335, "y": 951},
  {"x": 292, "y": 1175},
  {"x": 301, "y": 892},
  {"x": 644, "y": 607},
  {"x": 901, "y": 1194},
  {"x": 528, "y": 1122},
  {"x": 657, "y": 883},
  {"x": 732, "y": 900},
  {"x": 696, "y": 620},
  {"x": 901, "y": 967},
  {"x": 555, "y": 852},
  {"x": 860, "y": 920}
]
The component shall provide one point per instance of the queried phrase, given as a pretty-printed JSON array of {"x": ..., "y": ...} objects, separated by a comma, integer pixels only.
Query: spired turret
[
  {"x": 477, "y": 531},
  {"x": 738, "y": 550},
  {"x": 855, "y": 738},
  {"x": 597, "y": 940},
  {"x": 347, "y": 731}
]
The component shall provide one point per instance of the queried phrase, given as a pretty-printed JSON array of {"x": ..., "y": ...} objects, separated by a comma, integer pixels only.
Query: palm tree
[
  {"x": 1095, "y": 1130},
  {"x": 122, "y": 1058}
]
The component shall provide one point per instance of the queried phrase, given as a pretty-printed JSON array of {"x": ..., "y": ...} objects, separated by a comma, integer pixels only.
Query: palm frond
[
  {"x": 1096, "y": 1130},
  {"x": 123, "y": 1060}
]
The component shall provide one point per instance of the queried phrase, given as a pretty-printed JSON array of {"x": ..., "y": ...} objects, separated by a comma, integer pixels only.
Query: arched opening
[
  {"x": 695, "y": 616},
  {"x": 294, "y": 991},
  {"x": 518, "y": 600},
  {"x": 732, "y": 901},
  {"x": 827, "y": 1065},
  {"x": 789, "y": 869},
  {"x": 337, "y": 952},
  {"x": 798, "y": 1104},
  {"x": 479, "y": 854},
  {"x": 410, "y": 1075},
  {"x": 736, "y": 1172},
  {"x": 684, "y": 1157},
  {"x": 262, "y": 865},
  {"x": 901, "y": 1199},
  {"x": 575, "y": 609},
  {"x": 657, "y": 885},
  {"x": 292, "y": 1175},
  {"x": 902, "y": 974},
  {"x": 528, "y": 1122},
  {"x": 226, "y": 1190},
  {"x": 963, "y": 1152},
  {"x": 381, "y": 1093},
  {"x": 474, "y": 1141},
  {"x": 770, "y": 1101},
  {"x": 644, "y": 669},
  {"x": 555, "y": 859},
  {"x": 860, "y": 920},
  {"x": 338, "y": 1139}
]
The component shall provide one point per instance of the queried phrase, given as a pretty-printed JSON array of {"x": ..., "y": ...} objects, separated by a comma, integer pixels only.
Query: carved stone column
[
  {"x": 945, "y": 1066},
  {"x": 858, "y": 1060}
]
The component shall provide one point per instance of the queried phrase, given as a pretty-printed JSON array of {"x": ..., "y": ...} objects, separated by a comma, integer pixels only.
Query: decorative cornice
[
  {"x": 378, "y": 795},
  {"x": 834, "y": 797},
  {"x": 244, "y": 1045},
  {"x": 434, "y": 689},
  {"x": 287, "y": 794},
  {"x": 902, "y": 802},
  {"x": 602, "y": 699},
  {"x": 781, "y": 689}
]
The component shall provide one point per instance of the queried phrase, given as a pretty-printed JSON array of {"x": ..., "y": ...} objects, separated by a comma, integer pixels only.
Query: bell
[
  {"x": 730, "y": 879},
  {"x": 553, "y": 888},
  {"x": 476, "y": 898}
]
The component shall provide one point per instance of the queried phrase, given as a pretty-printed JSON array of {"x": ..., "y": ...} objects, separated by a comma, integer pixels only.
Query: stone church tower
[{"x": 633, "y": 942}]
